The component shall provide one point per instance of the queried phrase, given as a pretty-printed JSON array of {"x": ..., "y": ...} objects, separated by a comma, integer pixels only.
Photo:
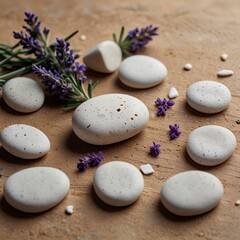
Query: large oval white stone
[
  {"x": 109, "y": 118},
  {"x": 211, "y": 145},
  {"x": 191, "y": 193},
  {"x": 104, "y": 57},
  {"x": 118, "y": 183},
  {"x": 208, "y": 96},
  {"x": 23, "y": 94},
  {"x": 36, "y": 189},
  {"x": 142, "y": 71},
  {"x": 24, "y": 141}
]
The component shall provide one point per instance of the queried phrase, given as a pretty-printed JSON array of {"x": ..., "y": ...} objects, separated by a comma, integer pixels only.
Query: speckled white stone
[
  {"x": 104, "y": 57},
  {"x": 36, "y": 189},
  {"x": 118, "y": 183},
  {"x": 211, "y": 145},
  {"x": 23, "y": 94},
  {"x": 208, "y": 96},
  {"x": 191, "y": 193},
  {"x": 109, "y": 119},
  {"x": 173, "y": 93},
  {"x": 24, "y": 141},
  {"x": 146, "y": 169},
  {"x": 142, "y": 71}
]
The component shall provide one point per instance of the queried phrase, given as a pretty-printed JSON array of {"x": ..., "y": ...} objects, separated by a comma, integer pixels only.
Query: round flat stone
[
  {"x": 36, "y": 189},
  {"x": 118, "y": 183},
  {"x": 109, "y": 119},
  {"x": 142, "y": 72},
  {"x": 211, "y": 145},
  {"x": 23, "y": 94},
  {"x": 24, "y": 141},
  {"x": 191, "y": 193},
  {"x": 208, "y": 96}
]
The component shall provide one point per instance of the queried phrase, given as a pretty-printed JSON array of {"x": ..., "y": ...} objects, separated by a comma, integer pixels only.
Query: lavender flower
[
  {"x": 155, "y": 149},
  {"x": 174, "y": 131},
  {"x": 95, "y": 159},
  {"x": 82, "y": 164},
  {"x": 136, "y": 39},
  {"x": 163, "y": 106},
  {"x": 90, "y": 160}
]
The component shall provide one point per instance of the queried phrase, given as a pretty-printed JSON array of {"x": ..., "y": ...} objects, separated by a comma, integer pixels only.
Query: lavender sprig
[
  {"x": 54, "y": 63},
  {"x": 163, "y": 106},
  {"x": 174, "y": 131},
  {"x": 136, "y": 39},
  {"x": 155, "y": 149},
  {"x": 90, "y": 160}
]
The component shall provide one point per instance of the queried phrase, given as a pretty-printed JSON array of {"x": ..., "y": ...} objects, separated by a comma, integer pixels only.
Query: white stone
[
  {"x": 173, "y": 93},
  {"x": 224, "y": 57},
  {"x": 118, "y": 183},
  {"x": 188, "y": 66},
  {"x": 36, "y": 189},
  {"x": 211, "y": 145},
  {"x": 191, "y": 193},
  {"x": 23, "y": 94},
  {"x": 104, "y": 57},
  {"x": 237, "y": 203},
  {"x": 109, "y": 119},
  {"x": 147, "y": 169},
  {"x": 208, "y": 96},
  {"x": 225, "y": 73},
  {"x": 142, "y": 72},
  {"x": 24, "y": 141},
  {"x": 69, "y": 209},
  {"x": 83, "y": 37}
]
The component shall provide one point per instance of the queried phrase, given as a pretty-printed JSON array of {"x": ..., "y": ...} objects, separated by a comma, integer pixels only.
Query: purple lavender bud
[
  {"x": 155, "y": 149},
  {"x": 163, "y": 106},
  {"x": 161, "y": 111},
  {"x": 174, "y": 131},
  {"x": 95, "y": 159},
  {"x": 82, "y": 165},
  {"x": 170, "y": 103}
]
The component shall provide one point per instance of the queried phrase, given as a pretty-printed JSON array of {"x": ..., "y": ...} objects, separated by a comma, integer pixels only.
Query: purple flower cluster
[
  {"x": 90, "y": 160},
  {"x": 155, "y": 149},
  {"x": 163, "y": 106},
  {"x": 140, "y": 37},
  {"x": 34, "y": 40},
  {"x": 54, "y": 81},
  {"x": 174, "y": 131}
]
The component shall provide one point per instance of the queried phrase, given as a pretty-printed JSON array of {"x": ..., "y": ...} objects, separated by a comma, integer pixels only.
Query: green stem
[{"x": 71, "y": 35}]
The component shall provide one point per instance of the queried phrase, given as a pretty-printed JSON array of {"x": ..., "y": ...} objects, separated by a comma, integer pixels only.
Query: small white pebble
[
  {"x": 224, "y": 57},
  {"x": 225, "y": 73},
  {"x": 69, "y": 209},
  {"x": 173, "y": 93},
  {"x": 83, "y": 37},
  {"x": 237, "y": 203},
  {"x": 147, "y": 169},
  {"x": 188, "y": 66}
]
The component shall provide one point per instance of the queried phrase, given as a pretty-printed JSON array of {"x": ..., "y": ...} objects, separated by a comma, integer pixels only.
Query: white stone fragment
[
  {"x": 104, "y": 57},
  {"x": 147, "y": 169},
  {"x": 69, "y": 209},
  {"x": 24, "y": 141},
  {"x": 142, "y": 72},
  {"x": 187, "y": 67},
  {"x": 83, "y": 37},
  {"x": 211, "y": 145},
  {"x": 208, "y": 96},
  {"x": 109, "y": 119},
  {"x": 224, "y": 57},
  {"x": 225, "y": 73},
  {"x": 237, "y": 203},
  {"x": 118, "y": 183},
  {"x": 191, "y": 193},
  {"x": 173, "y": 93},
  {"x": 23, "y": 94},
  {"x": 36, "y": 189}
]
